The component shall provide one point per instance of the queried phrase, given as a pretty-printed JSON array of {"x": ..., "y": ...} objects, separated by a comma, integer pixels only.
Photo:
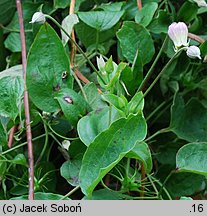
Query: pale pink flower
[{"x": 178, "y": 33}]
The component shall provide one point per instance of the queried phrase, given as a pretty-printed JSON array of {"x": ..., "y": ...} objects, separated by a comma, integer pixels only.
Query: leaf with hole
[
  {"x": 72, "y": 104},
  {"x": 47, "y": 62}
]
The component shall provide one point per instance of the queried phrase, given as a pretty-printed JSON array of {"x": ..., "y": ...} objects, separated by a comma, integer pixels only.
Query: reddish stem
[
  {"x": 84, "y": 79},
  {"x": 26, "y": 103},
  {"x": 139, "y": 4},
  {"x": 11, "y": 136},
  {"x": 196, "y": 38},
  {"x": 73, "y": 47}
]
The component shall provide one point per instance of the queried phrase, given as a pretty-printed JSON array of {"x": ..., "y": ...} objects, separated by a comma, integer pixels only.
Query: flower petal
[{"x": 193, "y": 52}]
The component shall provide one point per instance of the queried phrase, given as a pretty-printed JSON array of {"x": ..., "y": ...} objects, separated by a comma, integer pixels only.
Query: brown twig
[
  {"x": 73, "y": 50},
  {"x": 107, "y": 180},
  {"x": 139, "y": 4},
  {"x": 196, "y": 38},
  {"x": 73, "y": 47},
  {"x": 11, "y": 135},
  {"x": 26, "y": 103},
  {"x": 84, "y": 79}
]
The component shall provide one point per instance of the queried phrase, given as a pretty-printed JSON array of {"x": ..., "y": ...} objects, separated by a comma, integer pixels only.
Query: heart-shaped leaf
[{"x": 48, "y": 69}]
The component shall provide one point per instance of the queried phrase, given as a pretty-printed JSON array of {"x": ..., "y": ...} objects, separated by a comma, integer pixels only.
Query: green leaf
[
  {"x": 185, "y": 184},
  {"x": 61, "y": 3},
  {"x": 68, "y": 24},
  {"x": 94, "y": 97},
  {"x": 7, "y": 8},
  {"x": 109, "y": 148},
  {"x": 47, "y": 61},
  {"x": 104, "y": 194},
  {"x": 114, "y": 76},
  {"x": 120, "y": 103},
  {"x": 138, "y": 38},
  {"x": 203, "y": 48},
  {"x": 3, "y": 51},
  {"x": 20, "y": 159},
  {"x": 101, "y": 20},
  {"x": 128, "y": 76},
  {"x": 11, "y": 91},
  {"x": 192, "y": 158},
  {"x": 166, "y": 152},
  {"x": 44, "y": 172},
  {"x": 41, "y": 196},
  {"x": 88, "y": 35},
  {"x": 90, "y": 126},
  {"x": 3, "y": 134},
  {"x": 70, "y": 170},
  {"x": 188, "y": 121},
  {"x": 13, "y": 41},
  {"x": 19, "y": 190},
  {"x": 187, "y": 12},
  {"x": 136, "y": 104},
  {"x": 116, "y": 6},
  {"x": 185, "y": 198},
  {"x": 72, "y": 104},
  {"x": 142, "y": 153},
  {"x": 144, "y": 17},
  {"x": 12, "y": 72},
  {"x": 109, "y": 66},
  {"x": 161, "y": 23},
  {"x": 3, "y": 166}
]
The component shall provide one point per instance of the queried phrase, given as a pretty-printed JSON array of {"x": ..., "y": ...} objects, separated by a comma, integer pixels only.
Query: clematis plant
[{"x": 178, "y": 33}]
